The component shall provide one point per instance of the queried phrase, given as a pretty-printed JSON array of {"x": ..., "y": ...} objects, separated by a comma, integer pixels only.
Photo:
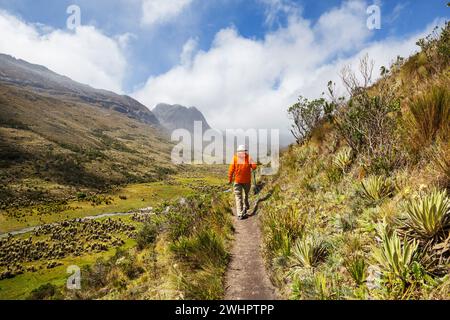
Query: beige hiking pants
[{"x": 241, "y": 192}]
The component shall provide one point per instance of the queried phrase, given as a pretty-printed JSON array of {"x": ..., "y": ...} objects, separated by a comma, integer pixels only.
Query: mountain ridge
[
  {"x": 40, "y": 79},
  {"x": 58, "y": 136}
]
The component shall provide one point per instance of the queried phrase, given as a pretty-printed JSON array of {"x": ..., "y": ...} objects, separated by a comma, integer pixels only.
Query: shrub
[
  {"x": 334, "y": 175},
  {"x": 179, "y": 223},
  {"x": 147, "y": 235},
  {"x": 307, "y": 115},
  {"x": 429, "y": 215},
  {"x": 130, "y": 267},
  {"x": 366, "y": 121},
  {"x": 98, "y": 200},
  {"x": 347, "y": 222},
  {"x": 436, "y": 47},
  {"x": 46, "y": 291},
  {"x": 321, "y": 287},
  {"x": 376, "y": 188},
  {"x": 81, "y": 196},
  {"x": 95, "y": 276},
  {"x": 429, "y": 118}
]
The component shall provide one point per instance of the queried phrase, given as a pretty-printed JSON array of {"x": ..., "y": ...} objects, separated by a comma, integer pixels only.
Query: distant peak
[{"x": 176, "y": 116}]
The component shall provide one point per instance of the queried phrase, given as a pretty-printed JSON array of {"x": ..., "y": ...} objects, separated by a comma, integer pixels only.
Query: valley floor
[{"x": 24, "y": 269}]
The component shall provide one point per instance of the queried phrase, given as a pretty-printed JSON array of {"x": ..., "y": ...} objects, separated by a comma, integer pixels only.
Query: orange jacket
[{"x": 241, "y": 169}]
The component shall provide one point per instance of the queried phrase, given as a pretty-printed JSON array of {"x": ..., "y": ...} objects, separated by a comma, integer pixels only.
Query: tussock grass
[{"x": 430, "y": 117}]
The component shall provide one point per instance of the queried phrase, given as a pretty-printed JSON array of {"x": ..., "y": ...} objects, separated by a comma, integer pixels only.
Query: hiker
[{"x": 241, "y": 170}]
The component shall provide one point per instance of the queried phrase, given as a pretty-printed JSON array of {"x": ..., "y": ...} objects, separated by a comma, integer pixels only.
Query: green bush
[
  {"x": 307, "y": 115},
  {"x": 367, "y": 121},
  {"x": 46, "y": 291},
  {"x": 95, "y": 276},
  {"x": 81, "y": 196},
  {"x": 180, "y": 223},
  {"x": 436, "y": 47},
  {"x": 147, "y": 235},
  {"x": 283, "y": 227},
  {"x": 130, "y": 267}
]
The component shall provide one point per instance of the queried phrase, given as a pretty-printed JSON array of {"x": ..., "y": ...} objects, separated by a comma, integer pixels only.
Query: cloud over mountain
[
  {"x": 249, "y": 83},
  {"x": 85, "y": 55}
]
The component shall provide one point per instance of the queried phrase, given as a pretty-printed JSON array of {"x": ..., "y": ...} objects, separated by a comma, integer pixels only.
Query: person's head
[{"x": 241, "y": 149}]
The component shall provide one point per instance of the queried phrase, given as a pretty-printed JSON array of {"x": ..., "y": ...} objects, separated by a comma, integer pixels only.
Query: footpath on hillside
[{"x": 246, "y": 277}]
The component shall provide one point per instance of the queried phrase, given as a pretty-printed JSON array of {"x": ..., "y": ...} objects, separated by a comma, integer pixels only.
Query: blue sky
[{"x": 217, "y": 36}]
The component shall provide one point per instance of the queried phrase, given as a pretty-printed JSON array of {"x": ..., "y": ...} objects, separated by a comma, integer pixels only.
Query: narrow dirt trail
[{"x": 246, "y": 277}]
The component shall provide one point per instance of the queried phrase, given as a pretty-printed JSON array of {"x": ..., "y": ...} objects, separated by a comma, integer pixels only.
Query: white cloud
[
  {"x": 124, "y": 40},
  {"x": 161, "y": 11},
  {"x": 248, "y": 83},
  {"x": 86, "y": 55},
  {"x": 188, "y": 51}
]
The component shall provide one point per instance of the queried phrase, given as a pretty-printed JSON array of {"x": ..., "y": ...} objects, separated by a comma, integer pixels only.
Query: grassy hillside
[
  {"x": 52, "y": 148},
  {"x": 360, "y": 208}
]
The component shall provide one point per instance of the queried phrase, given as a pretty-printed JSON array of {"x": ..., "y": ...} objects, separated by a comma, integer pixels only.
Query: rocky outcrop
[{"x": 176, "y": 116}]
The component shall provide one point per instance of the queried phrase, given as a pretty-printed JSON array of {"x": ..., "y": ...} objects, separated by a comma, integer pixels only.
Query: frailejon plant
[
  {"x": 395, "y": 257},
  {"x": 429, "y": 215},
  {"x": 343, "y": 159},
  {"x": 376, "y": 188},
  {"x": 308, "y": 252}
]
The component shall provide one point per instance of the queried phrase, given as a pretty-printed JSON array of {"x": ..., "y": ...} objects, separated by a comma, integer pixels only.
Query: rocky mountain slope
[
  {"x": 176, "y": 116},
  {"x": 41, "y": 80},
  {"x": 58, "y": 137}
]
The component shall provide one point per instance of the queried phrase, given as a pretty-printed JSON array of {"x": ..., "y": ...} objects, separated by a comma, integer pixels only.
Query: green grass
[
  {"x": 137, "y": 196},
  {"x": 20, "y": 286}
]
